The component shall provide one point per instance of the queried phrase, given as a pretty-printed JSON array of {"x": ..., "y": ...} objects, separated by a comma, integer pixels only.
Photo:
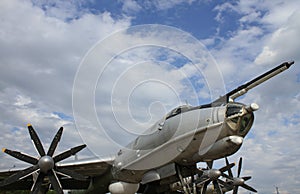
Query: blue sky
[{"x": 45, "y": 45}]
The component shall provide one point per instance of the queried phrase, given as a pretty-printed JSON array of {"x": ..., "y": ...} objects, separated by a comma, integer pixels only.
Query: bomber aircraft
[{"x": 163, "y": 160}]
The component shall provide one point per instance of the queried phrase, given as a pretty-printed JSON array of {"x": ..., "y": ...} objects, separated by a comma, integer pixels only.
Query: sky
[{"x": 107, "y": 70}]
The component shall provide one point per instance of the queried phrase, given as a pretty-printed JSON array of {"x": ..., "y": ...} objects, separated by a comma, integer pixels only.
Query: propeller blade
[
  {"x": 217, "y": 187},
  {"x": 227, "y": 167},
  {"x": 55, "y": 182},
  {"x": 200, "y": 182},
  {"x": 68, "y": 153},
  {"x": 224, "y": 183},
  {"x": 229, "y": 170},
  {"x": 210, "y": 164},
  {"x": 213, "y": 176},
  {"x": 199, "y": 172},
  {"x": 226, "y": 176},
  {"x": 72, "y": 174},
  {"x": 44, "y": 165},
  {"x": 235, "y": 190},
  {"x": 36, "y": 140},
  {"x": 246, "y": 178},
  {"x": 38, "y": 183},
  {"x": 240, "y": 167},
  {"x": 245, "y": 186},
  {"x": 205, "y": 187},
  {"x": 237, "y": 180},
  {"x": 54, "y": 142},
  {"x": 21, "y": 156},
  {"x": 19, "y": 175}
]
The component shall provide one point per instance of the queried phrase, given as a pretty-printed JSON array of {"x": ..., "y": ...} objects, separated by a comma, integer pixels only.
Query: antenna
[{"x": 186, "y": 102}]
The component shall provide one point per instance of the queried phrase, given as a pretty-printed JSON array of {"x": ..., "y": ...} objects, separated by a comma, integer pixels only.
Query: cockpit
[
  {"x": 178, "y": 110},
  {"x": 239, "y": 119}
]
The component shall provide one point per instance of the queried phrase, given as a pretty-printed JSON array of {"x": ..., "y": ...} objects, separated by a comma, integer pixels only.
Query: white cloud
[
  {"x": 266, "y": 36},
  {"x": 162, "y": 4},
  {"x": 131, "y": 6},
  {"x": 40, "y": 53},
  {"x": 63, "y": 10},
  {"x": 134, "y": 6},
  {"x": 138, "y": 69},
  {"x": 222, "y": 8},
  {"x": 22, "y": 100},
  {"x": 282, "y": 44}
]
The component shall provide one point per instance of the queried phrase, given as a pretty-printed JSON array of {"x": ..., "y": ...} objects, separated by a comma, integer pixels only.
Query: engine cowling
[
  {"x": 123, "y": 188},
  {"x": 226, "y": 146}
]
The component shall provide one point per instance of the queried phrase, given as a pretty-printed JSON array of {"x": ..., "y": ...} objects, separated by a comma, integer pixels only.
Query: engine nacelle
[
  {"x": 123, "y": 188},
  {"x": 223, "y": 147}
]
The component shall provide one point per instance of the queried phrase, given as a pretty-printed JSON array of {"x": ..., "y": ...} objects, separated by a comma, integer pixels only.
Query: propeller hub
[
  {"x": 46, "y": 163},
  {"x": 214, "y": 174},
  {"x": 238, "y": 182}
]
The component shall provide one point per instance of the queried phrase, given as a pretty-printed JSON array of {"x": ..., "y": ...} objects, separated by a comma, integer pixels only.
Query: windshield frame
[{"x": 238, "y": 118}]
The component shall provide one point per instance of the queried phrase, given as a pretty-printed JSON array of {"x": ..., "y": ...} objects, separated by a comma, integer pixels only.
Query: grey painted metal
[{"x": 46, "y": 163}]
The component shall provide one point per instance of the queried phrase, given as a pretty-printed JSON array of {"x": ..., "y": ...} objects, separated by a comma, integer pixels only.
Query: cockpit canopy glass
[
  {"x": 239, "y": 119},
  {"x": 233, "y": 109},
  {"x": 246, "y": 122},
  {"x": 178, "y": 110}
]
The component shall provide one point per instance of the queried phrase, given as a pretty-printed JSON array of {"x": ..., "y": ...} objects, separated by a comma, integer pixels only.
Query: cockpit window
[
  {"x": 178, "y": 110},
  {"x": 174, "y": 112},
  {"x": 239, "y": 119},
  {"x": 235, "y": 120},
  {"x": 246, "y": 122},
  {"x": 234, "y": 109}
]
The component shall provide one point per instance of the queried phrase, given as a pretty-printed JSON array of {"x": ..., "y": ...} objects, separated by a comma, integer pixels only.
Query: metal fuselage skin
[{"x": 185, "y": 136}]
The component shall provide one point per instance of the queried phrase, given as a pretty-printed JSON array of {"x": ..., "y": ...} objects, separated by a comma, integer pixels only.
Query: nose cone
[{"x": 46, "y": 163}]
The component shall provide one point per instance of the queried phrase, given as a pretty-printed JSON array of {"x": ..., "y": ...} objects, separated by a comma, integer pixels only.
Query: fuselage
[{"x": 185, "y": 136}]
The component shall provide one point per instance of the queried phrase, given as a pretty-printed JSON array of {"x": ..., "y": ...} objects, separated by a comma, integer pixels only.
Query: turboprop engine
[
  {"x": 123, "y": 188},
  {"x": 222, "y": 148}
]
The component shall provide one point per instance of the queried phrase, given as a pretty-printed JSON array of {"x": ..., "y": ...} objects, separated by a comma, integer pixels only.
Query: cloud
[
  {"x": 163, "y": 5},
  {"x": 140, "y": 67},
  {"x": 40, "y": 53},
  {"x": 281, "y": 44},
  {"x": 130, "y": 6},
  {"x": 266, "y": 36},
  {"x": 63, "y": 10}
]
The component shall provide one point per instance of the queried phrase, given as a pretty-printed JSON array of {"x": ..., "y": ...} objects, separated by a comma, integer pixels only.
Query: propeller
[
  {"x": 238, "y": 181},
  {"x": 212, "y": 175},
  {"x": 45, "y": 165}
]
